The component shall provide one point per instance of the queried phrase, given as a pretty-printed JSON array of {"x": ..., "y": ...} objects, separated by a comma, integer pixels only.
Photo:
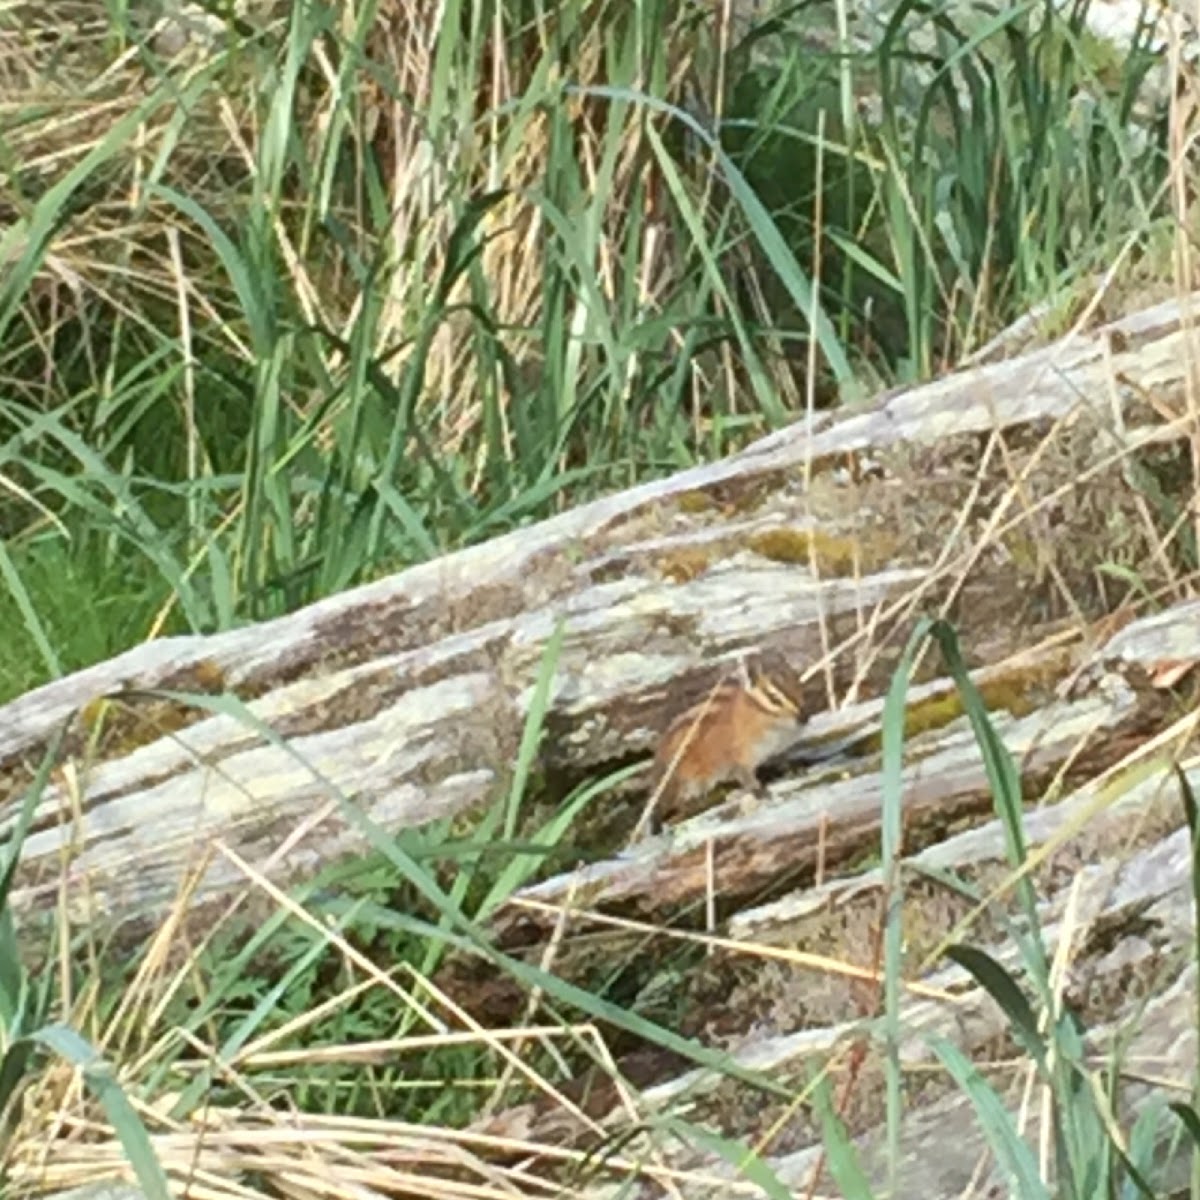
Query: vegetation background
[
  {"x": 297, "y": 294},
  {"x": 300, "y": 295}
]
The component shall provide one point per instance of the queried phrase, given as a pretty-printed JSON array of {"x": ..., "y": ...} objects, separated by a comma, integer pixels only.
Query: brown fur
[{"x": 727, "y": 735}]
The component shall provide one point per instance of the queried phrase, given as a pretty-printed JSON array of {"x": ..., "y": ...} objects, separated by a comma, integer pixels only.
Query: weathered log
[{"x": 409, "y": 693}]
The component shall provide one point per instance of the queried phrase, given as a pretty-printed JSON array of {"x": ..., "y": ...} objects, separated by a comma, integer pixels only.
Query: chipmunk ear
[
  {"x": 744, "y": 672},
  {"x": 769, "y": 662}
]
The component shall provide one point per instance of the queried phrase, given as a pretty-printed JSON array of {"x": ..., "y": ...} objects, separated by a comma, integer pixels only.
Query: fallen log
[{"x": 824, "y": 540}]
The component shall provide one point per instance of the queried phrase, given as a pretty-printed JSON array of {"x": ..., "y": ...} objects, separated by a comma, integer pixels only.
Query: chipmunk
[{"x": 733, "y": 729}]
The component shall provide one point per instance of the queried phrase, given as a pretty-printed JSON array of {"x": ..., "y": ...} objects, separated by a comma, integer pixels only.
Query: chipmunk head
[{"x": 774, "y": 684}]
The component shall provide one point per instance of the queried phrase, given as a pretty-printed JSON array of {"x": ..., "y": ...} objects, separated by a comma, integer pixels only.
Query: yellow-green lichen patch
[
  {"x": 695, "y": 502},
  {"x": 118, "y": 723},
  {"x": 1019, "y": 692},
  {"x": 734, "y": 497},
  {"x": 205, "y": 676},
  {"x": 832, "y": 554},
  {"x": 1024, "y": 550}
]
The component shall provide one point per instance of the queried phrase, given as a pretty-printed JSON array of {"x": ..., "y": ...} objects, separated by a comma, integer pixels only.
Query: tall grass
[
  {"x": 246, "y": 1012},
  {"x": 33, "y": 1042},
  {"x": 1014, "y": 170},
  {"x": 333, "y": 290}
]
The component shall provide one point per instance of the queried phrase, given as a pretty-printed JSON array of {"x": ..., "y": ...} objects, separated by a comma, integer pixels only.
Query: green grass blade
[
  {"x": 16, "y": 589},
  {"x": 1003, "y": 988},
  {"x": 1012, "y": 1153},
  {"x": 1004, "y": 783},
  {"x": 26, "y": 241},
  {"x": 102, "y": 1082},
  {"x": 765, "y": 230},
  {"x": 13, "y": 981},
  {"x": 1144, "y": 1154},
  {"x": 13, "y": 1069},
  {"x": 531, "y": 732},
  {"x": 749, "y": 1165},
  {"x": 473, "y": 936},
  {"x": 891, "y": 833},
  {"x": 1191, "y": 811},
  {"x": 844, "y": 1165},
  {"x": 263, "y": 1010},
  {"x": 1188, "y": 1118},
  {"x": 246, "y": 285},
  {"x": 526, "y": 859},
  {"x": 24, "y": 816}
]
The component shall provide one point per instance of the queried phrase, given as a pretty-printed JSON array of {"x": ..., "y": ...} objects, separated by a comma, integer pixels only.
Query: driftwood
[{"x": 993, "y": 496}]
